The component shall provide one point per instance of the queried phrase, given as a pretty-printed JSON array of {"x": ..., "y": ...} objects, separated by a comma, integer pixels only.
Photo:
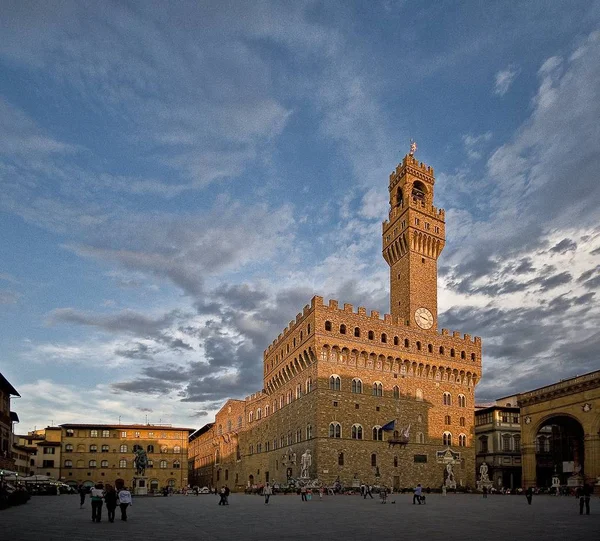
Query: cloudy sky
[{"x": 178, "y": 179}]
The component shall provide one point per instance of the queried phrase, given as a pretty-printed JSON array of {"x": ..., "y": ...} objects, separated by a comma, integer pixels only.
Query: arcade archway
[{"x": 559, "y": 451}]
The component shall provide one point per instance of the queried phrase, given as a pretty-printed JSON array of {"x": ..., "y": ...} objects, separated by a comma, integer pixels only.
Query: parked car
[{"x": 204, "y": 490}]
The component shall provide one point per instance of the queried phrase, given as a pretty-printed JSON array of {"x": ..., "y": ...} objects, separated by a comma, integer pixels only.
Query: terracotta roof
[{"x": 121, "y": 427}]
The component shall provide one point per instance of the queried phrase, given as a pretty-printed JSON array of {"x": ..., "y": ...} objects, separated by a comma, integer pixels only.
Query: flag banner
[{"x": 388, "y": 427}]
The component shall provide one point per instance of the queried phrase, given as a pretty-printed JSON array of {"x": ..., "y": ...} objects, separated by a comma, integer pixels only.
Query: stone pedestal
[{"x": 140, "y": 486}]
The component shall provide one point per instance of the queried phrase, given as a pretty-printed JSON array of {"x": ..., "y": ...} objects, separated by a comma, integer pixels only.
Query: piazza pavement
[{"x": 178, "y": 517}]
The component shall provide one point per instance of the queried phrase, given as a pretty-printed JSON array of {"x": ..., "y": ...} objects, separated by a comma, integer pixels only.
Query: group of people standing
[
  {"x": 106, "y": 494},
  {"x": 224, "y": 493}
]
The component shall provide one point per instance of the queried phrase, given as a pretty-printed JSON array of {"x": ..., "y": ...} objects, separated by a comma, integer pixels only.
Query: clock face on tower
[{"x": 424, "y": 318}]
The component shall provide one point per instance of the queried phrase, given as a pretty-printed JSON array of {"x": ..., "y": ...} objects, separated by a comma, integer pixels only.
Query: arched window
[
  {"x": 377, "y": 389},
  {"x": 419, "y": 395},
  {"x": 267, "y": 410},
  {"x": 92, "y": 464},
  {"x": 462, "y": 440},
  {"x": 70, "y": 432},
  {"x": 289, "y": 397},
  {"x": 229, "y": 425},
  {"x": 251, "y": 417},
  {"x": 105, "y": 448},
  {"x": 298, "y": 435},
  {"x": 104, "y": 464},
  {"x": 419, "y": 191},
  {"x": 371, "y": 335},
  {"x": 447, "y": 399},
  {"x": 68, "y": 463},
  {"x": 357, "y": 386},
  {"x": 462, "y": 400},
  {"x": 441, "y": 350},
  {"x": 396, "y": 341},
  {"x": 384, "y": 338},
  {"x": 150, "y": 449},
  {"x": 452, "y": 352},
  {"x": 420, "y": 437},
  {"x": 396, "y": 391},
  {"x": 340, "y": 459},
  {"x": 377, "y": 433},
  {"x": 308, "y": 432},
  {"x": 406, "y": 343},
  {"x": 258, "y": 414},
  {"x": 447, "y": 439},
  {"x": 357, "y": 332},
  {"x": 357, "y": 432},
  {"x": 373, "y": 460},
  {"x": 328, "y": 325},
  {"x": 93, "y": 448},
  {"x": 240, "y": 421},
  {"x": 308, "y": 329},
  {"x": 123, "y": 448},
  {"x": 68, "y": 448},
  {"x": 447, "y": 420},
  {"x": 281, "y": 402},
  {"x": 462, "y": 421},
  {"x": 176, "y": 464},
  {"x": 122, "y": 463},
  {"x": 418, "y": 345},
  {"x": 472, "y": 356},
  {"x": 463, "y": 355},
  {"x": 335, "y": 382},
  {"x": 176, "y": 449},
  {"x": 429, "y": 348},
  {"x": 342, "y": 329},
  {"x": 163, "y": 464},
  {"x": 309, "y": 386},
  {"x": 298, "y": 391},
  {"x": 506, "y": 439},
  {"x": 335, "y": 430}
]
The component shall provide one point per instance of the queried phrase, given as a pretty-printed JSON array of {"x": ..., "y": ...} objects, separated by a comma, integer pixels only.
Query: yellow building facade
[
  {"x": 91, "y": 453},
  {"x": 338, "y": 374}
]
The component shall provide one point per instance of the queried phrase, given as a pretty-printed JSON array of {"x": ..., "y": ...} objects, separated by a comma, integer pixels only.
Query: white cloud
[
  {"x": 474, "y": 144},
  {"x": 504, "y": 79}
]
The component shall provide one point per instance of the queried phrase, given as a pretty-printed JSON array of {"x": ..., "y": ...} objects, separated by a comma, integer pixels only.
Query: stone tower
[{"x": 413, "y": 238}]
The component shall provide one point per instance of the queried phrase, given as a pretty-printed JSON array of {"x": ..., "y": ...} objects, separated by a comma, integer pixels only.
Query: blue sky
[{"x": 178, "y": 179}]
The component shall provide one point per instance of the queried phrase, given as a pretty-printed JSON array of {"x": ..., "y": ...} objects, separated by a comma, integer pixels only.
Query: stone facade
[
  {"x": 7, "y": 418},
  {"x": 576, "y": 399},
  {"x": 498, "y": 442},
  {"x": 91, "y": 453},
  {"x": 337, "y": 375}
]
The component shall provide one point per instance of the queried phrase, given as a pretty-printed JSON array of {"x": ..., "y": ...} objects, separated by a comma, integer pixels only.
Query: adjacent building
[
  {"x": 7, "y": 418},
  {"x": 351, "y": 396},
  {"x": 498, "y": 442}
]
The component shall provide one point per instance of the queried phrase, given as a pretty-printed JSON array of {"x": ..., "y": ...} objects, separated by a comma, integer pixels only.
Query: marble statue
[{"x": 305, "y": 462}]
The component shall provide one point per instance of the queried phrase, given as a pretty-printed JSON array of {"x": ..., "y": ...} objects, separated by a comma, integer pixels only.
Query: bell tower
[{"x": 413, "y": 238}]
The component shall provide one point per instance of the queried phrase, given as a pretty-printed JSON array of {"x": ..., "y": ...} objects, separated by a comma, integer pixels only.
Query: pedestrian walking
[
  {"x": 125, "y": 500},
  {"x": 222, "y": 495},
  {"x": 368, "y": 491},
  {"x": 584, "y": 499},
  {"x": 82, "y": 493},
  {"x": 303, "y": 494},
  {"x": 529, "y": 495},
  {"x": 227, "y": 491},
  {"x": 417, "y": 494},
  {"x": 110, "y": 499},
  {"x": 96, "y": 495},
  {"x": 321, "y": 491},
  {"x": 267, "y": 491}
]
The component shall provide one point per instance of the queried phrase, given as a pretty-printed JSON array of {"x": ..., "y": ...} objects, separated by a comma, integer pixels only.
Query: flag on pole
[{"x": 389, "y": 426}]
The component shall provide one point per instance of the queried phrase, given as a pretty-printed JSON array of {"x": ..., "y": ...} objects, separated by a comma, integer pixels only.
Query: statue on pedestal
[
  {"x": 305, "y": 462},
  {"x": 140, "y": 461},
  {"x": 450, "y": 482}
]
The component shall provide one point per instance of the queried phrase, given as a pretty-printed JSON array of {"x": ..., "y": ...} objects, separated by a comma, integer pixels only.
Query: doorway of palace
[{"x": 559, "y": 450}]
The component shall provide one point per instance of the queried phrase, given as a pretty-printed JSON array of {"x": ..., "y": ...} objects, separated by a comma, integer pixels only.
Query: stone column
[
  {"x": 528, "y": 465},
  {"x": 591, "y": 458}
]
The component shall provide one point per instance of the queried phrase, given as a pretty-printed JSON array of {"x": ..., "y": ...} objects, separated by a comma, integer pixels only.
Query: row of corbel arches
[
  {"x": 426, "y": 244},
  {"x": 364, "y": 359},
  {"x": 291, "y": 369}
]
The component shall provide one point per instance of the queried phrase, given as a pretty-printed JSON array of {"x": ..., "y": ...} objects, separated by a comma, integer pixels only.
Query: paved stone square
[{"x": 287, "y": 517}]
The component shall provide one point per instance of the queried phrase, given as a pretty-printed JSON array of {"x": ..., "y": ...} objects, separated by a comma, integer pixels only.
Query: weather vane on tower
[{"x": 413, "y": 147}]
